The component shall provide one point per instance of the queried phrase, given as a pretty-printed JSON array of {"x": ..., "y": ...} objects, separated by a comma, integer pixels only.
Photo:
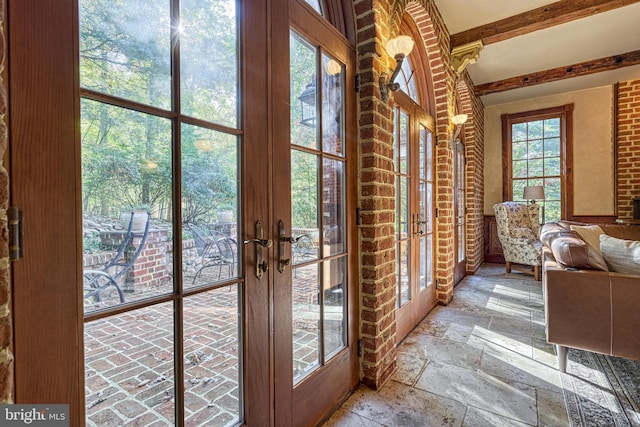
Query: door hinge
[
  {"x": 357, "y": 83},
  {"x": 358, "y": 222},
  {"x": 436, "y": 212},
  {"x": 436, "y": 282},
  {"x": 14, "y": 216},
  {"x": 359, "y": 348}
]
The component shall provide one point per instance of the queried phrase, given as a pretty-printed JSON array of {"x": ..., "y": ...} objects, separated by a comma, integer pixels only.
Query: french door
[
  {"x": 460, "y": 212},
  {"x": 414, "y": 167},
  {"x": 313, "y": 287},
  {"x": 187, "y": 232}
]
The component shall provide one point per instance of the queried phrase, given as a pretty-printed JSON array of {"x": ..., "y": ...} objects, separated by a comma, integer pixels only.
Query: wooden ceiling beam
[
  {"x": 560, "y": 73},
  {"x": 536, "y": 19}
]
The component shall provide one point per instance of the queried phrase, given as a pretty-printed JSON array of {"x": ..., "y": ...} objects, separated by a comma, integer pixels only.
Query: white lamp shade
[
  {"x": 459, "y": 119},
  {"x": 401, "y": 45},
  {"x": 535, "y": 192}
]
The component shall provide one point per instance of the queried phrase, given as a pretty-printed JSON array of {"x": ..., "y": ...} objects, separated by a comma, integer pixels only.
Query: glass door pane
[
  {"x": 403, "y": 209},
  {"x": 460, "y": 202},
  {"x": 425, "y": 227},
  {"x": 427, "y": 136},
  {"x": 161, "y": 187},
  {"x": 317, "y": 207}
]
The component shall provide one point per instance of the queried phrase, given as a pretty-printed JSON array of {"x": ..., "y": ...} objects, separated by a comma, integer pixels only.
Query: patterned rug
[{"x": 601, "y": 390}]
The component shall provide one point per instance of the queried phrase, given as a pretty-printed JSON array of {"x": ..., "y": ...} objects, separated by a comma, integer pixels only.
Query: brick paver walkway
[
  {"x": 129, "y": 358},
  {"x": 129, "y": 362}
]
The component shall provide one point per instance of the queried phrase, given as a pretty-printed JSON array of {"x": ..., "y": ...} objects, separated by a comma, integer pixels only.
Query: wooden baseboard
[{"x": 492, "y": 246}]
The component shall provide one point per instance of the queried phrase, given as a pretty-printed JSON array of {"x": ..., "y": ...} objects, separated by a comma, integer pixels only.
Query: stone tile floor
[{"x": 483, "y": 360}]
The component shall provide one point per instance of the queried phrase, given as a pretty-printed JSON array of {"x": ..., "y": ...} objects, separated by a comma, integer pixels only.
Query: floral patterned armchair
[{"x": 519, "y": 234}]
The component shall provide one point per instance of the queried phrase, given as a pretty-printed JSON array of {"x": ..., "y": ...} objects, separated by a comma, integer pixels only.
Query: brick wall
[
  {"x": 628, "y": 128},
  {"x": 474, "y": 154},
  {"x": 376, "y": 22},
  {"x": 6, "y": 354},
  {"x": 376, "y": 197}
]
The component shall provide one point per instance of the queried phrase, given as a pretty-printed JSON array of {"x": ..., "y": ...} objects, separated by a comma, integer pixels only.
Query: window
[
  {"x": 406, "y": 81},
  {"x": 315, "y": 4},
  {"x": 403, "y": 209},
  {"x": 536, "y": 150}
]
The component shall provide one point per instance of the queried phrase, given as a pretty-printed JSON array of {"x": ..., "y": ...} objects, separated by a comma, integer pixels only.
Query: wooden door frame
[
  {"x": 299, "y": 405},
  {"x": 256, "y": 206},
  {"x": 43, "y": 83},
  {"x": 44, "y": 66},
  {"x": 45, "y": 87}
]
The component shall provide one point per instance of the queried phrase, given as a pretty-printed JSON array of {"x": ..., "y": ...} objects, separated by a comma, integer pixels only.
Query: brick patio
[{"x": 129, "y": 374}]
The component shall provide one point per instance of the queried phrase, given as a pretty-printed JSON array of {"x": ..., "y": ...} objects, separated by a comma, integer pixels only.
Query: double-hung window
[{"x": 536, "y": 150}]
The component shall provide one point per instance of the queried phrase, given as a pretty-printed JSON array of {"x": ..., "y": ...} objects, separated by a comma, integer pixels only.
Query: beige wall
[{"x": 592, "y": 148}]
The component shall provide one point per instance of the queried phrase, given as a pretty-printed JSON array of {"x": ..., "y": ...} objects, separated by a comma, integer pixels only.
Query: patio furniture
[
  {"x": 215, "y": 249},
  {"x": 98, "y": 282},
  {"x": 303, "y": 249}
]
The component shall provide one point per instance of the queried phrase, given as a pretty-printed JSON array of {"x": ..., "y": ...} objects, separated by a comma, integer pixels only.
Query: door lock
[
  {"x": 263, "y": 266},
  {"x": 282, "y": 239}
]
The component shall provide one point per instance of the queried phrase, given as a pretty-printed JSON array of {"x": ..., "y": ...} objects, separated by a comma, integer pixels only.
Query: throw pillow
[
  {"x": 622, "y": 256},
  {"x": 570, "y": 250},
  {"x": 590, "y": 234}
]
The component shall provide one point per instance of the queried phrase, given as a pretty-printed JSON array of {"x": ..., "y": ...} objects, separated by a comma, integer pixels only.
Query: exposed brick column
[
  {"x": 6, "y": 335},
  {"x": 474, "y": 154},
  {"x": 376, "y": 199},
  {"x": 436, "y": 42},
  {"x": 377, "y": 21},
  {"x": 628, "y": 122}
]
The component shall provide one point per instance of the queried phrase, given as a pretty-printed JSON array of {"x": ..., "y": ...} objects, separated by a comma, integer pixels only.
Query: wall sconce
[
  {"x": 308, "y": 104},
  {"x": 458, "y": 120},
  {"x": 399, "y": 48}
]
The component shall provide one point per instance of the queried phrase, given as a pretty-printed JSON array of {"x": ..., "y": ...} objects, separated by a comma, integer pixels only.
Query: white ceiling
[{"x": 601, "y": 35}]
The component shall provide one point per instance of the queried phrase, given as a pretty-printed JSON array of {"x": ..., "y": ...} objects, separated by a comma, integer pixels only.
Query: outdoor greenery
[
  {"x": 535, "y": 159},
  {"x": 132, "y": 136},
  {"x": 128, "y": 148}
]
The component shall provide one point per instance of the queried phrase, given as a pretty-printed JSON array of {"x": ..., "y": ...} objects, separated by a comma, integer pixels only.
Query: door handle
[
  {"x": 419, "y": 222},
  {"x": 282, "y": 239},
  {"x": 261, "y": 265},
  {"x": 265, "y": 243}
]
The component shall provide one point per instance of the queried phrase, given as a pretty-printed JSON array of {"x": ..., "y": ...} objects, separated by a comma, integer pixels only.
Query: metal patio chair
[
  {"x": 215, "y": 249},
  {"x": 97, "y": 283}
]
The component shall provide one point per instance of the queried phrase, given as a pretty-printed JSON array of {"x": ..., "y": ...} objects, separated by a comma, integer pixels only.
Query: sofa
[{"x": 592, "y": 302}]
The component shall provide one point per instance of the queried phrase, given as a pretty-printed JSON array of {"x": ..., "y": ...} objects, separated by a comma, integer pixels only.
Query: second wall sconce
[
  {"x": 398, "y": 47},
  {"x": 458, "y": 120}
]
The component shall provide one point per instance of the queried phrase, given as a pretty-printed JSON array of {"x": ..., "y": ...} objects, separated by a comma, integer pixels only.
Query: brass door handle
[
  {"x": 265, "y": 243},
  {"x": 262, "y": 266}
]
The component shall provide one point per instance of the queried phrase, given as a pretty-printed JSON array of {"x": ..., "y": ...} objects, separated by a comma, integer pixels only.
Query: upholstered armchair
[{"x": 519, "y": 234}]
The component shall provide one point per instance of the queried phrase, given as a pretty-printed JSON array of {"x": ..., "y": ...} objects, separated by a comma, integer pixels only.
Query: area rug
[{"x": 601, "y": 390}]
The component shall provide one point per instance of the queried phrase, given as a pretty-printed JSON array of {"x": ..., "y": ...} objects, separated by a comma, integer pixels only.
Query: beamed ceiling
[{"x": 535, "y": 48}]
